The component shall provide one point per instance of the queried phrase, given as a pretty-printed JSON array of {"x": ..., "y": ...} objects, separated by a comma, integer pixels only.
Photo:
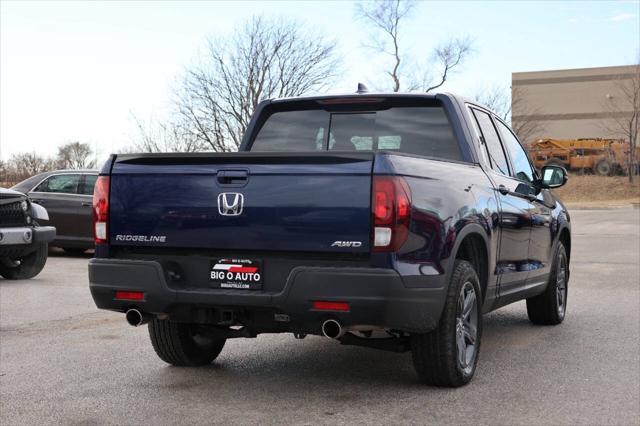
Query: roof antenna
[{"x": 362, "y": 88}]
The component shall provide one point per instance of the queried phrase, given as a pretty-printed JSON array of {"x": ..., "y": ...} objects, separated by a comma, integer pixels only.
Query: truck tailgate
[{"x": 243, "y": 201}]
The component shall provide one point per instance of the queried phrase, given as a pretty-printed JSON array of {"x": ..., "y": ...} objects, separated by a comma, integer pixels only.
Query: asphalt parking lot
[{"x": 64, "y": 362}]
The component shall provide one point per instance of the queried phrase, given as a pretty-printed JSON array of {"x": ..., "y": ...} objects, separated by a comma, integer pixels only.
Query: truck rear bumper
[{"x": 376, "y": 297}]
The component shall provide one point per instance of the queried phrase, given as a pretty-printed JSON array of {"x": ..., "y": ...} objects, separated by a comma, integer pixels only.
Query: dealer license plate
[{"x": 243, "y": 274}]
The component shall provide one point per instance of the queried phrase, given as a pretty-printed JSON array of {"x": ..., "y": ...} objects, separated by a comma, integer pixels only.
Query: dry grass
[{"x": 591, "y": 189}]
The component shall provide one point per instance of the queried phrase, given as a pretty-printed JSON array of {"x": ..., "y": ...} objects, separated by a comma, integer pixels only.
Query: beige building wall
[{"x": 568, "y": 104}]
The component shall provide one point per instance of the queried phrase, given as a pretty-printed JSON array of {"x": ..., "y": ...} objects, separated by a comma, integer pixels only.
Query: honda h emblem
[{"x": 230, "y": 203}]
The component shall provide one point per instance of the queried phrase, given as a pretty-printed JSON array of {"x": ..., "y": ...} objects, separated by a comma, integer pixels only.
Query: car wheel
[
  {"x": 550, "y": 307},
  {"x": 27, "y": 266},
  {"x": 182, "y": 344},
  {"x": 448, "y": 355}
]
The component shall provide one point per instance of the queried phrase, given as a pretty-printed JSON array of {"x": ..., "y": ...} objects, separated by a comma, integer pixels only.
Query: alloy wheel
[
  {"x": 561, "y": 285},
  {"x": 467, "y": 327}
]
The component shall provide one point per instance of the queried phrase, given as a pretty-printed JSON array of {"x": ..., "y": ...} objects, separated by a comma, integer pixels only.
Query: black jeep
[{"x": 23, "y": 244}]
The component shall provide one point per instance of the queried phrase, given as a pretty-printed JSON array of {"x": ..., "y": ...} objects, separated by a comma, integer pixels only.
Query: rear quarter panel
[{"x": 449, "y": 200}]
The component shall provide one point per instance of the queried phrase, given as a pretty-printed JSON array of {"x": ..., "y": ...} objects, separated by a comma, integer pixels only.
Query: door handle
[
  {"x": 531, "y": 198},
  {"x": 233, "y": 177},
  {"x": 506, "y": 191},
  {"x": 85, "y": 204}
]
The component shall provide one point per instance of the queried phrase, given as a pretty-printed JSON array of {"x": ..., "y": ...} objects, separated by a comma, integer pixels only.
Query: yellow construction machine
[{"x": 602, "y": 156}]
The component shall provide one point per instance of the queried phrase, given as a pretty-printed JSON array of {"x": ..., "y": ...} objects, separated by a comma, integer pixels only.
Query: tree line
[{"x": 71, "y": 155}]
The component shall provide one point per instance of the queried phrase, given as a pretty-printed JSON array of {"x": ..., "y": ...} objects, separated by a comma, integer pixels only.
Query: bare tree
[
  {"x": 25, "y": 164},
  {"x": 624, "y": 112},
  {"x": 157, "y": 136},
  {"x": 387, "y": 17},
  {"x": 497, "y": 99},
  {"x": 448, "y": 56},
  {"x": 511, "y": 106},
  {"x": 263, "y": 59},
  {"x": 29, "y": 163},
  {"x": 75, "y": 155},
  {"x": 525, "y": 117},
  {"x": 4, "y": 173}
]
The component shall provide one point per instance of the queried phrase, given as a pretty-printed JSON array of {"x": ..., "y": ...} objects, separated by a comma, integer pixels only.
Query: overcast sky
[{"x": 79, "y": 70}]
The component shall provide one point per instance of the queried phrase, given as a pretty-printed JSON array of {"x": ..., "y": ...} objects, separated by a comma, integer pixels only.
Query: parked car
[
  {"x": 345, "y": 216},
  {"x": 23, "y": 243},
  {"x": 67, "y": 195}
]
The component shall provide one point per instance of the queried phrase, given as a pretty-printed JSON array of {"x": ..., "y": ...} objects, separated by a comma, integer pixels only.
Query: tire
[
  {"x": 603, "y": 168},
  {"x": 27, "y": 266},
  {"x": 180, "y": 345},
  {"x": 550, "y": 307},
  {"x": 74, "y": 251},
  {"x": 437, "y": 355}
]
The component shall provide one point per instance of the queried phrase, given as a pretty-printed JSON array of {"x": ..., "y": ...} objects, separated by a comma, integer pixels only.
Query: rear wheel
[
  {"x": 183, "y": 344},
  {"x": 25, "y": 267},
  {"x": 448, "y": 355},
  {"x": 550, "y": 307},
  {"x": 603, "y": 168}
]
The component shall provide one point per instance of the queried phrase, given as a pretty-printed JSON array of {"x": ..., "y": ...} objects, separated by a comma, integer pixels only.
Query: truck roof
[
  {"x": 361, "y": 95},
  {"x": 461, "y": 100}
]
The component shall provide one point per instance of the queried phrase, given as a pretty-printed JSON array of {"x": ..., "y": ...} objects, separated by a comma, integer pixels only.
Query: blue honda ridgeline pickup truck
[{"x": 387, "y": 221}]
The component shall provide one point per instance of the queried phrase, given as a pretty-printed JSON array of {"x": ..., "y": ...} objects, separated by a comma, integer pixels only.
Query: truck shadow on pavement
[{"x": 281, "y": 364}]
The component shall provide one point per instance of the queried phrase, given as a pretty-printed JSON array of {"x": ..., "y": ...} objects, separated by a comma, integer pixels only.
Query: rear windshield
[{"x": 422, "y": 130}]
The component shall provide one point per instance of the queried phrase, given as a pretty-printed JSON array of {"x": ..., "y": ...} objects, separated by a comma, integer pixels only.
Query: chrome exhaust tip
[
  {"x": 135, "y": 318},
  {"x": 332, "y": 329}
]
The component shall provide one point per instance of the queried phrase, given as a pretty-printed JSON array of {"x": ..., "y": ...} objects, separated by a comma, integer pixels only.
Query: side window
[
  {"x": 522, "y": 167},
  {"x": 492, "y": 142},
  {"x": 88, "y": 184},
  {"x": 61, "y": 184}
]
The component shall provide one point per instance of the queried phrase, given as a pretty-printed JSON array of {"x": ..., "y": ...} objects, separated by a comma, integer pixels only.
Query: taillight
[
  {"x": 101, "y": 209},
  {"x": 391, "y": 205}
]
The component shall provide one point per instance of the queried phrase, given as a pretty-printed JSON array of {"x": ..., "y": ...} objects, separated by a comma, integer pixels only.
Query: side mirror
[{"x": 553, "y": 177}]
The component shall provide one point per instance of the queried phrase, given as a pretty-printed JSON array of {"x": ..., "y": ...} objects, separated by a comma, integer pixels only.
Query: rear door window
[
  {"x": 422, "y": 130},
  {"x": 60, "y": 184},
  {"x": 492, "y": 143}
]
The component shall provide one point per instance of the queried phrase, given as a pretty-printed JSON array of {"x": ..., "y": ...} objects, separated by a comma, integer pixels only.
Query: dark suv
[{"x": 66, "y": 194}]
